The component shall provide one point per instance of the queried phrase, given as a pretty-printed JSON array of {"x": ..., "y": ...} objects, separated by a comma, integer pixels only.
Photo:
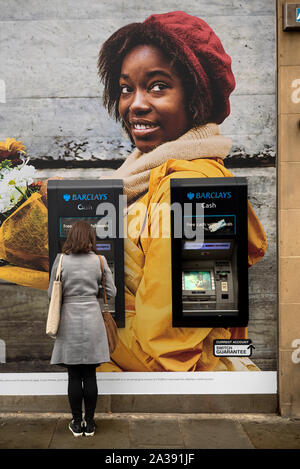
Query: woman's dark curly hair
[{"x": 115, "y": 49}]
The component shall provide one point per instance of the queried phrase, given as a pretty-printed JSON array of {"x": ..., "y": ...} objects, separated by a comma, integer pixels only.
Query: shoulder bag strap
[
  {"x": 103, "y": 280},
  {"x": 58, "y": 272}
]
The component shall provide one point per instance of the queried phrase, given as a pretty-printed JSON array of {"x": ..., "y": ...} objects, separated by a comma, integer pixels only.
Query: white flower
[
  {"x": 9, "y": 196},
  {"x": 19, "y": 177},
  {"x": 12, "y": 181}
]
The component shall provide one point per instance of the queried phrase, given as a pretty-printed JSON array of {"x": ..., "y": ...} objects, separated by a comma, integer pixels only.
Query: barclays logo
[
  {"x": 87, "y": 197},
  {"x": 209, "y": 195}
]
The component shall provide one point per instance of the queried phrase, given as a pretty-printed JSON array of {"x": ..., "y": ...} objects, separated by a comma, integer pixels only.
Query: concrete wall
[{"x": 48, "y": 53}]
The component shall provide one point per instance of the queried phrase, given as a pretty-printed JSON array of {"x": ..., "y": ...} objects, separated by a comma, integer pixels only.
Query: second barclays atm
[
  {"x": 98, "y": 202},
  {"x": 210, "y": 256}
]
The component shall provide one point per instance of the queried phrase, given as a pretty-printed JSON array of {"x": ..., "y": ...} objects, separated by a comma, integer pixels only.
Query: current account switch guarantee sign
[{"x": 233, "y": 348}]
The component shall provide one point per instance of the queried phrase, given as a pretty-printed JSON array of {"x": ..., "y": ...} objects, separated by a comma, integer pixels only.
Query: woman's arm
[
  {"x": 110, "y": 287},
  {"x": 53, "y": 274}
]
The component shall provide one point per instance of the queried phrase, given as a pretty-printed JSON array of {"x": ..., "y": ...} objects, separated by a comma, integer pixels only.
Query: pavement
[{"x": 151, "y": 431}]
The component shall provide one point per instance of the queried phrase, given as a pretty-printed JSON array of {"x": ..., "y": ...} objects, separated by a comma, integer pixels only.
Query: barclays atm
[
  {"x": 98, "y": 202},
  {"x": 210, "y": 258}
]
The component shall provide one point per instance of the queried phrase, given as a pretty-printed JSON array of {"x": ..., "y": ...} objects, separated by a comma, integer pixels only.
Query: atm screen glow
[
  {"x": 197, "y": 280},
  {"x": 103, "y": 247},
  {"x": 206, "y": 246}
]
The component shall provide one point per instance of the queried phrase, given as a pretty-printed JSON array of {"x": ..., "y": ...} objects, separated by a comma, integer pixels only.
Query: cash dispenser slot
[
  {"x": 210, "y": 271},
  {"x": 98, "y": 203}
]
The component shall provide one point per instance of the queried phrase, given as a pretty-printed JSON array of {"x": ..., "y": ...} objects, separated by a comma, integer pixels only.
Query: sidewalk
[{"x": 152, "y": 431}]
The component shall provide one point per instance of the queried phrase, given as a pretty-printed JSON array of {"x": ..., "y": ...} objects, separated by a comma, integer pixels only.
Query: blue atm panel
[
  {"x": 71, "y": 200},
  {"x": 210, "y": 257}
]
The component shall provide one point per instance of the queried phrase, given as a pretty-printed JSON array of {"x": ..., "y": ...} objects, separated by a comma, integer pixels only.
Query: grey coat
[{"x": 81, "y": 338}]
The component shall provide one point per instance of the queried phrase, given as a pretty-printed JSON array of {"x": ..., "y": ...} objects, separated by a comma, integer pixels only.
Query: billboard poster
[{"x": 171, "y": 95}]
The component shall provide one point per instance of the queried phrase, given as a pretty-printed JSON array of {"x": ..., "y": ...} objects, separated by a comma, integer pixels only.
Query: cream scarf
[{"x": 201, "y": 142}]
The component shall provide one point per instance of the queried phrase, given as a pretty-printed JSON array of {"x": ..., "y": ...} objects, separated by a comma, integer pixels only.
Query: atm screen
[
  {"x": 102, "y": 229},
  {"x": 205, "y": 246},
  {"x": 197, "y": 280},
  {"x": 103, "y": 247}
]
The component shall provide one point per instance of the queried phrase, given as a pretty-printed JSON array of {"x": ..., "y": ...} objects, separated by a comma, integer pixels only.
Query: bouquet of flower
[
  {"x": 23, "y": 214},
  {"x": 16, "y": 177}
]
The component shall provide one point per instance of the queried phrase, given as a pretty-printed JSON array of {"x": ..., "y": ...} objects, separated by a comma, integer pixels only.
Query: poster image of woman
[{"x": 168, "y": 81}]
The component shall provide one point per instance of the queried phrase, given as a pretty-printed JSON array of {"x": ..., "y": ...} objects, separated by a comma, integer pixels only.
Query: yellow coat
[{"x": 149, "y": 342}]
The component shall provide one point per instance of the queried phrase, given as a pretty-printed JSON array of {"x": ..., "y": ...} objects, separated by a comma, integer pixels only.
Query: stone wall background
[{"x": 48, "y": 57}]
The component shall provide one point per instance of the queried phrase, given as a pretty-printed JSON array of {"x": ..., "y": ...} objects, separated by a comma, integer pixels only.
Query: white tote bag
[{"x": 55, "y": 304}]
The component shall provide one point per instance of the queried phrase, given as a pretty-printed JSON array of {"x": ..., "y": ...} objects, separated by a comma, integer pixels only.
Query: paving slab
[
  {"x": 29, "y": 433},
  {"x": 265, "y": 435},
  {"x": 155, "y": 433},
  {"x": 214, "y": 434}
]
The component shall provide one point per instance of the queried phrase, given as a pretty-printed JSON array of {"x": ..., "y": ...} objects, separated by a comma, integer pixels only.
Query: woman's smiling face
[{"x": 152, "y": 99}]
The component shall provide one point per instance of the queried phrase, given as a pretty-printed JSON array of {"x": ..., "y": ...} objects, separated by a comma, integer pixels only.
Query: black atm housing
[
  {"x": 71, "y": 200},
  {"x": 210, "y": 275}
]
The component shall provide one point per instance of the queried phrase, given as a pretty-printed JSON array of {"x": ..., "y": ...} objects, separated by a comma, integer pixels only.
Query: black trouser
[{"x": 82, "y": 387}]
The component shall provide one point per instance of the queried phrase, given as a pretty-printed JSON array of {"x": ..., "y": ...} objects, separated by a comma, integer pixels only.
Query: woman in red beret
[{"x": 168, "y": 80}]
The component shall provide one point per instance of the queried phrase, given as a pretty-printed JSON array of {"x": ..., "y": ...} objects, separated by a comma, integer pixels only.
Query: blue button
[{"x": 297, "y": 15}]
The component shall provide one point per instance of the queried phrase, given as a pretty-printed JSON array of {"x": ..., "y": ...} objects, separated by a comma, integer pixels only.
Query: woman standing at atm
[
  {"x": 81, "y": 343},
  {"x": 168, "y": 80}
]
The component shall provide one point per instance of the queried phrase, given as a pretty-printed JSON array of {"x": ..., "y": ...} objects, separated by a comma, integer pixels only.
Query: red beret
[{"x": 206, "y": 55}]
